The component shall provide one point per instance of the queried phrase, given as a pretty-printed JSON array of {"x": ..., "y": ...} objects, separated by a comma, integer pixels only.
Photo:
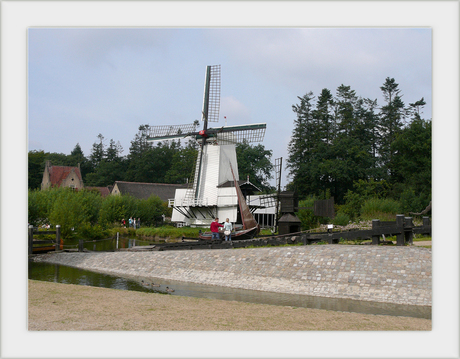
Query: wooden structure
[
  {"x": 289, "y": 223},
  {"x": 45, "y": 245}
]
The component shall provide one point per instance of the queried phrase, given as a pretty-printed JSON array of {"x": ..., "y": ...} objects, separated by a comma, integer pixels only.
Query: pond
[
  {"x": 109, "y": 244},
  {"x": 64, "y": 274}
]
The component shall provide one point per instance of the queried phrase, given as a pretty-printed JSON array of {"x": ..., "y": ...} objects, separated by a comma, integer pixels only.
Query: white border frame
[{"x": 17, "y": 16}]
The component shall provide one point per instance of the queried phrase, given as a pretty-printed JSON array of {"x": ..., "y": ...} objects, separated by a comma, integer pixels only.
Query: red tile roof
[{"x": 60, "y": 173}]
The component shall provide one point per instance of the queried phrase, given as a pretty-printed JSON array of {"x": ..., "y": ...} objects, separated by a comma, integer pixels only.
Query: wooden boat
[{"x": 250, "y": 226}]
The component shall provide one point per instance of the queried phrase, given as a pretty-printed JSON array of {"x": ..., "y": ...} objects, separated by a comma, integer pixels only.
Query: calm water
[
  {"x": 107, "y": 244},
  {"x": 63, "y": 274}
]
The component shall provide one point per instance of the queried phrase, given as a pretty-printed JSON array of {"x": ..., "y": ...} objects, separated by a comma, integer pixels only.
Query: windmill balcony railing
[{"x": 195, "y": 202}]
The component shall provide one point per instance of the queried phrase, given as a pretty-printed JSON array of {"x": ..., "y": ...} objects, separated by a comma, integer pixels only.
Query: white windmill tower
[{"x": 216, "y": 164}]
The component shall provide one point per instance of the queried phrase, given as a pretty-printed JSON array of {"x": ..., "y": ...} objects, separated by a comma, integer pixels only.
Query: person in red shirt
[{"x": 215, "y": 228}]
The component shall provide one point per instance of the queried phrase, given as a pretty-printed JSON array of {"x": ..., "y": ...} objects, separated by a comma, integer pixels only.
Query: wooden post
[
  {"x": 118, "y": 236},
  {"x": 80, "y": 245},
  {"x": 58, "y": 238},
  {"x": 426, "y": 225},
  {"x": 426, "y": 221},
  {"x": 400, "y": 225},
  {"x": 408, "y": 230},
  {"x": 31, "y": 239},
  {"x": 375, "y": 237}
]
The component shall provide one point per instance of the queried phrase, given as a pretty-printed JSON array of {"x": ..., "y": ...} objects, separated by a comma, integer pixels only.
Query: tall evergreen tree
[
  {"x": 36, "y": 166},
  {"x": 392, "y": 117},
  {"x": 301, "y": 145},
  {"x": 97, "y": 152},
  {"x": 77, "y": 157}
]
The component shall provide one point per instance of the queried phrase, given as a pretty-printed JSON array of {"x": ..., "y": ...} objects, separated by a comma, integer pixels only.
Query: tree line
[
  {"x": 162, "y": 162},
  {"x": 349, "y": 147},
  {"x": 89, "y": 214}
]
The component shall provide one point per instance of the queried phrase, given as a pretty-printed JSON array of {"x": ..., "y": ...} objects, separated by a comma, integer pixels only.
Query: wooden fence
[
  {"x": 44, "y": 245},
  {"x": 402, "y": 228}
]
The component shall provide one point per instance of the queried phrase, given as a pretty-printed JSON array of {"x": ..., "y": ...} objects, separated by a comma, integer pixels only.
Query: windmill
[{"x": 207, "y": 197}]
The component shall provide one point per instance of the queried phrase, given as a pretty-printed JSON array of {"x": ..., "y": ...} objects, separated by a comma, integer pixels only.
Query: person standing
[
  {"x": 228, "y": 230},
  {"x": 215, "y": 229}
]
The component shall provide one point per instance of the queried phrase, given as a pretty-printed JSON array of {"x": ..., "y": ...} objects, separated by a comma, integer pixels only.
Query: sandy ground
[{"x": 57, "y": 306}]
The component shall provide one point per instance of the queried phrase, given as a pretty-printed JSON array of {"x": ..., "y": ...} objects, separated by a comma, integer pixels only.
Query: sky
[{"x": 88, "y": 81}]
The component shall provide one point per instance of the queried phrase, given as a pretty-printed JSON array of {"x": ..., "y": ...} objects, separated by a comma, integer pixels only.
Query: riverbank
[
  {"x": 67, "y": 307},
  {"x": 388, "y": 274}
]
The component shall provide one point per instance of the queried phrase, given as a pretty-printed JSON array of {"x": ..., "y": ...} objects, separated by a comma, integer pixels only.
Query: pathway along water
[{"x": 69, "y": 275}]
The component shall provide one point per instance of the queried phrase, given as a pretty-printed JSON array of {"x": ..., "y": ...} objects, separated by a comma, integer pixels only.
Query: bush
[
  {"x": 341, "y": 219},
  {"x": 68, "y": 212},
  {"x": 377, "y": 208},
  {"x": 353, "y": 204},
  {"x": 307, "y": 218},
  {"x": 116, "y": 208},
  {"x": 410, "y": 202},
  {"x": 87, "y": 231}
]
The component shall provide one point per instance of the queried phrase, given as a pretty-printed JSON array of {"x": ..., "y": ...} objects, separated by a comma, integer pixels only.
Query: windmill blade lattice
[
  {"x": 237, "y": 134},
  {"x": 211, "y": 98},
  {"x": 169, "y": 132}
]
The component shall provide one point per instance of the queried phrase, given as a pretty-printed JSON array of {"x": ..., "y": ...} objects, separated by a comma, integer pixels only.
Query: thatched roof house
[{"x": 145, "y": 190}]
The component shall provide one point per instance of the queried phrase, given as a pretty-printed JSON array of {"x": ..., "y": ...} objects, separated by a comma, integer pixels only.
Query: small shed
[{"x": 289, "y": 223}]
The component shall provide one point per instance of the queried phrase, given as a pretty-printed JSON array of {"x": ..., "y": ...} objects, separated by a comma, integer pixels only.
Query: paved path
[{"x": 399, "y": 275}]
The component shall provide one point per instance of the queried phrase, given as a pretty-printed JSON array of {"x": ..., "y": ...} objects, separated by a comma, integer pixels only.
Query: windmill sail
[
  {"x": 246, "y": 216},
  {"x": 211, "y": 98}
]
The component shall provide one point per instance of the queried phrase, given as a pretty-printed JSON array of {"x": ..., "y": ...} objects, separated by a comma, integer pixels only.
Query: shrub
[
  {"x": 353, "y": 204},
  {"x": 307, "y": 218},
  {"x": 377, "y": 208},
  {"x": 87, "y": 231},
  {"x": 341, "y": 219},
  {"x": 68, "y": 212},
  {"x": 150, "y": 210},
  {"x": 115, "y": 208}
]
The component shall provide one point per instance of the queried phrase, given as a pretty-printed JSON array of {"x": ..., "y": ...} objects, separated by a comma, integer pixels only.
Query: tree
[
  {"x": 412, "y": 158},
  {"x": 36, "y": 166},
  {"x": 137, "y": 155},
  {"x": 183, "y": 164},
  {"x": 301, "y": 145},
  {"x": 77, "y": 157},
  {"x": 255, "y": 162},
  {"x": 110, "y": 168},
  {"x": 97, "y": 152},
  {"x": 416, "y": 107},
  {"x": 392, "y": 116}
]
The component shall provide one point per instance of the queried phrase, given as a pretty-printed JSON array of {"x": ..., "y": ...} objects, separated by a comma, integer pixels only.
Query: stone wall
[{"x": 400, "y": 275}]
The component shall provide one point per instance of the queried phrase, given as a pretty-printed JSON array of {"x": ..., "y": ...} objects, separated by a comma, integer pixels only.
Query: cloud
[{"x": 235, "y": 111}]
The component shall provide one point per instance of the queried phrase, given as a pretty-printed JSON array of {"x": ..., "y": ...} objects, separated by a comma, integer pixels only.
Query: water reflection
[
  {"x": 107, "y": 245},
  {"x": 63, "y": 274}
]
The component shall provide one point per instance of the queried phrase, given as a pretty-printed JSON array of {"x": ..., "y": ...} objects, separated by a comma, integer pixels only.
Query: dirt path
[{"x": 57, "y": 306}]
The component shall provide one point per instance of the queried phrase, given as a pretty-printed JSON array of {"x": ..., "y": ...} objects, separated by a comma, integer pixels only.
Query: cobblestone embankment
[{"x": 400, "y": 275}]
